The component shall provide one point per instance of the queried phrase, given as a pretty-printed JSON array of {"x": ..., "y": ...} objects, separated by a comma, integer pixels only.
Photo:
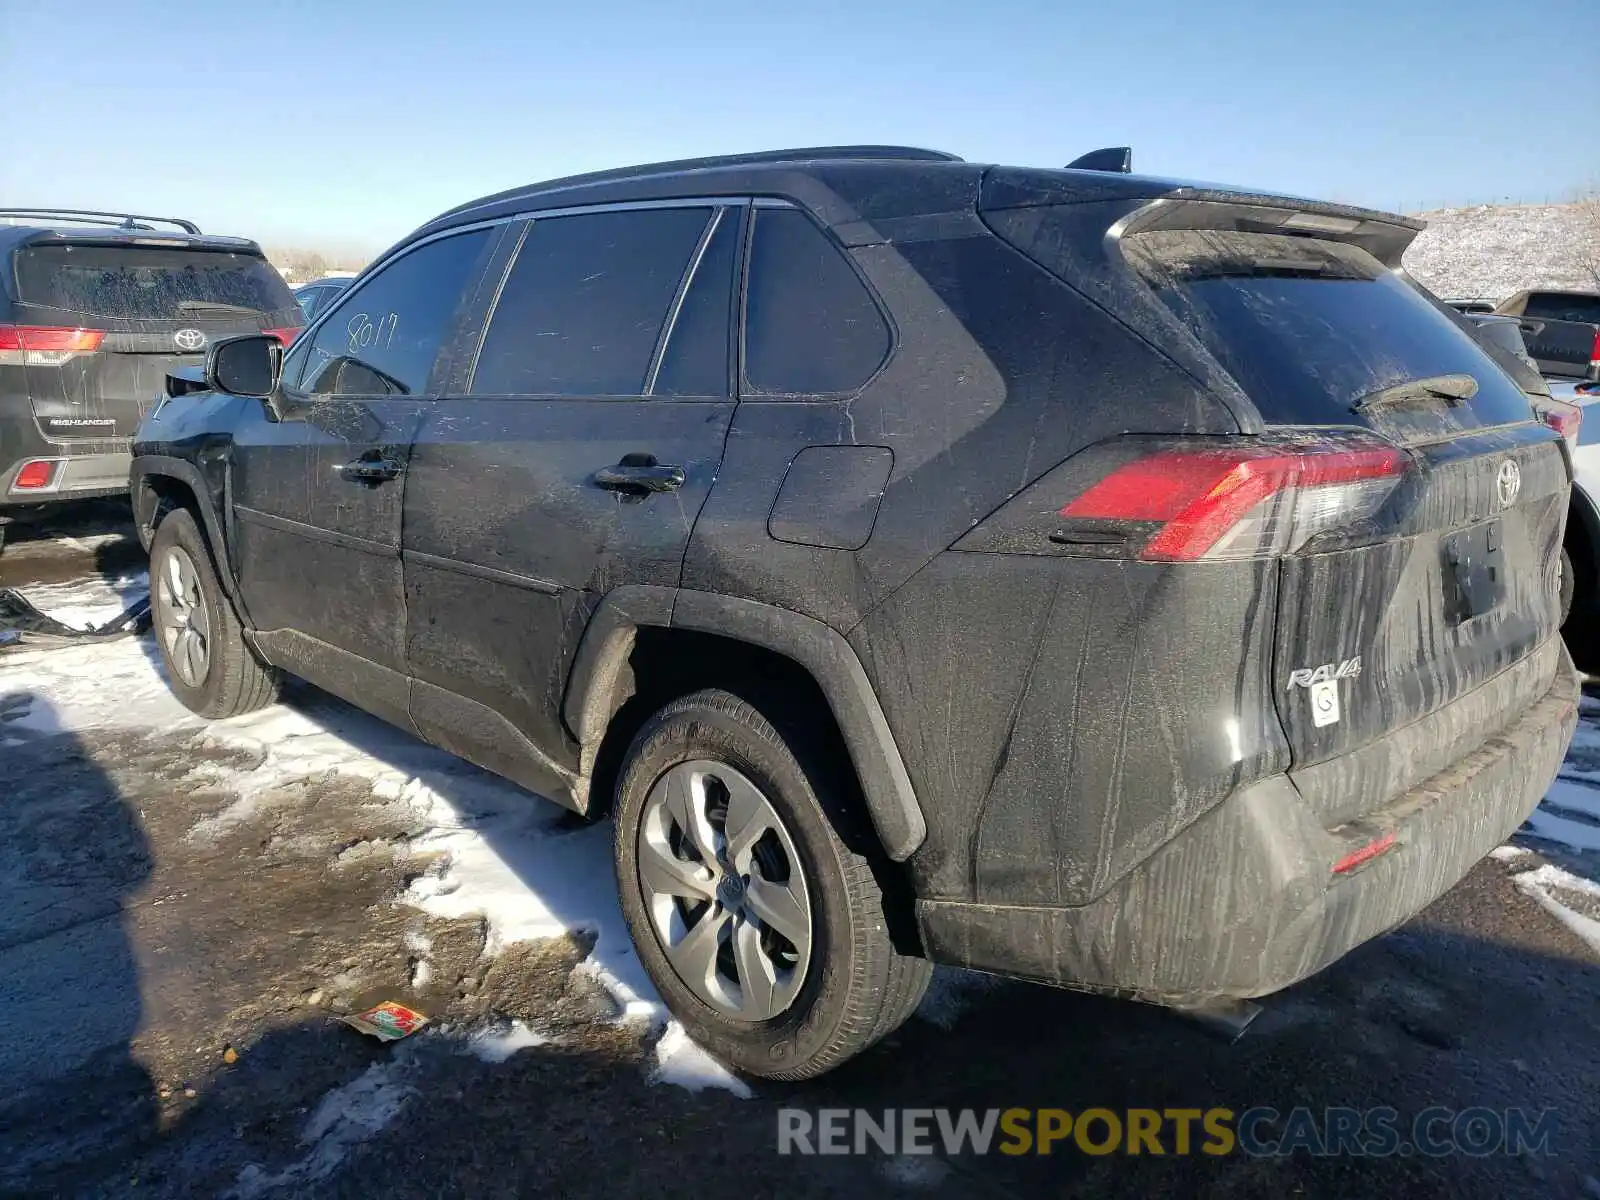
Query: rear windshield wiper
[
  {"x": 1455, "y": 388},
  {"x": 214, "y": 306}
]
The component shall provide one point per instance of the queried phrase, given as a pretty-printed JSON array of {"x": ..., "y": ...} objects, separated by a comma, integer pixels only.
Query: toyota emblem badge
[
  {"x": 1508, "y": 483},
  {"x": 189, "y": 339}
]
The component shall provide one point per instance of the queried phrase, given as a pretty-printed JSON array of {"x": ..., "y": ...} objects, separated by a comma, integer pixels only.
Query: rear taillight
[
  {"x": 284, "y": 335},
  {"x": 1564, "y": 418},
  {"x": 1594, "y": 352},
  {"x": 1244, "y": 500},
  {"x": 45, "y": 345}
]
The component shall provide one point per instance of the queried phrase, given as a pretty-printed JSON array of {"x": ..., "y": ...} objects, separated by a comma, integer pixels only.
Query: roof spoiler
[
  {"x": 1110, "y": 158},
  {"x": 88, "y": 216}
]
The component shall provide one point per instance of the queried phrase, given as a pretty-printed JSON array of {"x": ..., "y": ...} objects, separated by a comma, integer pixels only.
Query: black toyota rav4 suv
[
  {"x": 95, "y": 309},
  {"x": 1132, "y": 585}
]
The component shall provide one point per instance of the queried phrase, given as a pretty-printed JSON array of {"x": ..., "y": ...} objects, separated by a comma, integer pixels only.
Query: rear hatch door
[
  {"x": 144, "y": 306},
  {"x": 1453, "y": 582}
]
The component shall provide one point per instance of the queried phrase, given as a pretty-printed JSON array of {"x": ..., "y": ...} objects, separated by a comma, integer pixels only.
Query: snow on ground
[
  {"x": 503, "y": 855},
  {"x": 344, "y": 1118}
]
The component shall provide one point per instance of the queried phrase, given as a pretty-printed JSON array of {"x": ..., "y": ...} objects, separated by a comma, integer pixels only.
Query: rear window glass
[
  {"x": 1309, "y": 327},
  {"x": 149, "y": 282},
  {"x": 1557, "y": 307}
]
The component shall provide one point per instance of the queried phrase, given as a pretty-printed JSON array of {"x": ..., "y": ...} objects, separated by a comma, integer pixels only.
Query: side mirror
[{"x": 245, "y": 366}]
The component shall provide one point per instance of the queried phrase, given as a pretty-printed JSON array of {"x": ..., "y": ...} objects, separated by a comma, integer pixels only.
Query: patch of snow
[
  {"x": 1509, "y": 853},
  {"x": 498, "y": 1044},
  {"x": 422, "y": 973},
  {"x": 951, "y": 992},
  {"x": 679, "y": 1060},
  {"x": 345, "y": 1117},
  {"x": 1562, "y": 894}
]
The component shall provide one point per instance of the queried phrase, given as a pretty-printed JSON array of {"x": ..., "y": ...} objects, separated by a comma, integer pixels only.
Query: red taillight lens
[
  {"x": 1564, "y": 418},
  {"x": 1244, "y": 501},
  {"x": 34, "y": 475},
  {"x": 284, "y": 335},
  {"x": 45, "y": 345},
  {"x": 1594, "y": 350}
]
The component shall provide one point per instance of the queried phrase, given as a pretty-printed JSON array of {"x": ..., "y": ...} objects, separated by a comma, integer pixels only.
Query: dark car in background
[
  {"x": 315, "y": 296},
  {"x": 1561, "y": 328},
  {"x": 95, "y": 309},
  {"x": 1126, "y": 584}
]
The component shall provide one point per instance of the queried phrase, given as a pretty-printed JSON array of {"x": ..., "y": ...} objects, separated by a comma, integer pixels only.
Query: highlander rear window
[
  {"x": 149, "y": 282},
  {"x": 1308, "y": 327}
]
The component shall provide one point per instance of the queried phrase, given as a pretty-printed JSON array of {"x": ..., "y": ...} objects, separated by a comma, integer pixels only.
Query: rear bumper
[
  {"x": 74, "y": 477},
  {"x": 1244, "y": 902}
]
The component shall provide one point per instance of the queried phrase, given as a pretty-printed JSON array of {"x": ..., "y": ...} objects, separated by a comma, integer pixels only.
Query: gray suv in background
[{"x": 95, "y": 309}]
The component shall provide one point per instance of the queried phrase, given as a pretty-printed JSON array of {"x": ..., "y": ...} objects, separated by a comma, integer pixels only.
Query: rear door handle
[
  {"x": 372, "y": 471},
  {"x": 639, "y": 474}
]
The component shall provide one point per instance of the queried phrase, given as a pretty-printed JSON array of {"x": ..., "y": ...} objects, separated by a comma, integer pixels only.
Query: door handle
[
  {"x": 372, "y": 471},
  {"x": 639, "y": 474}
]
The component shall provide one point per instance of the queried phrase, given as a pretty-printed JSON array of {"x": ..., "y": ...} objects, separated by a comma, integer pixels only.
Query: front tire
[
  {"x": 209, "y": 667},
  {"x": 764, "y": 931}
]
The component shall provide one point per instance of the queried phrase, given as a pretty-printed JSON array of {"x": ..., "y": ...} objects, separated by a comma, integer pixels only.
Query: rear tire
[
  {"x": 1568, "y": 583},
  {"x": 801, "y": 1014},
  {"x": 209, "y": 667}
]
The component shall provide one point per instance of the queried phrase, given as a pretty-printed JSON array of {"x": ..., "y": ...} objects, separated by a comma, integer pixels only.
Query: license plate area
[{"x": 1474, "y": 571}]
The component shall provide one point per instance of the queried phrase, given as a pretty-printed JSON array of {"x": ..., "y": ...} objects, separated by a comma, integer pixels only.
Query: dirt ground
[{"x": 174, "y": 954}]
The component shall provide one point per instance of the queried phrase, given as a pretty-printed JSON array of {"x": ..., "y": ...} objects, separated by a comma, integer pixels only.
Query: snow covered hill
[{"x": 1493, "y": 250}]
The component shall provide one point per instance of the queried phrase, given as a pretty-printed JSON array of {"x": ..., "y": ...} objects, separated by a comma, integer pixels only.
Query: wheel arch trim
[
  {"x": 598, "y": 680},
  {"x": 146, "y": 467}
]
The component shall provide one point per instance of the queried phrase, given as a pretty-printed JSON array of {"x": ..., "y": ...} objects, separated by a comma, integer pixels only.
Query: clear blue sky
[{"x": 349, "y": 122}]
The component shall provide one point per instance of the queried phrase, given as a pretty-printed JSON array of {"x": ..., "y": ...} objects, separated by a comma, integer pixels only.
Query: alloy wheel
[
  {"x": 725, "y": 890},
  {"x": 185, "y": 625}
]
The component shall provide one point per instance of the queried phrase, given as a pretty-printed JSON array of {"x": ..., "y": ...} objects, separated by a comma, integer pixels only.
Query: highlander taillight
[
  {"x": 284, "y": 335},
  {"x": 45, "y": 345},
  {"x": 1564, "y": 418},
  {"x": 1243, "y": 500}
]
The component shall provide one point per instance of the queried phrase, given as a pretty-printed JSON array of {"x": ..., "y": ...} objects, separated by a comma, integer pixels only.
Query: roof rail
[
  {"x": 87, "y": 216},
  {"x": 756, "y": 158},
  {"x": 1111, "y": 158}
]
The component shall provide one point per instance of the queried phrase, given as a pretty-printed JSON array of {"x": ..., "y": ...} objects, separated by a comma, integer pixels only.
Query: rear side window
[
  {"x": 382, "y": 339},
  {"x": 149, "y": 282},
  {"x": 1553, "y": 306},
  {"x": 694, "y": 361},
  {"x": 1309, "y": 327},
  {"x": 584, "y": 305},
  {"x": 810, "y": 323}
]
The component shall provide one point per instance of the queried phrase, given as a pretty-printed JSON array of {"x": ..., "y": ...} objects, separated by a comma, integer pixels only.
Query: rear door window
[
  {"x": 1308, "y": 327},
  {"x": 811, "y": 326},
  {"x": 694, "y": 361},
  {"x": 1553, "y": 306},
  {"x": 583, "y": 308},
  {"x": 149, "y": 282},
  {"x": 382, "y": 338}
]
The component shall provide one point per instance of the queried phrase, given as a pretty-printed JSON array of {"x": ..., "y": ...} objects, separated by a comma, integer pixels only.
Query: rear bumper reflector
[
  {"x": 1366, "y": 854},
  {"x": 37, "y": 475}
]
